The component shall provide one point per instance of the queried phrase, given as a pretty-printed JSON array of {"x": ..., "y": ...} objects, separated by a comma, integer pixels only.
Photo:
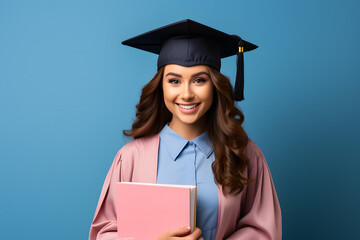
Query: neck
[{"x": 188, "y": 131}]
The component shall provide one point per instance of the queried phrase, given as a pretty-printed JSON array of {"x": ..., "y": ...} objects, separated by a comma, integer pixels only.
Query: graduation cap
[{"x": 190, "y": 43}]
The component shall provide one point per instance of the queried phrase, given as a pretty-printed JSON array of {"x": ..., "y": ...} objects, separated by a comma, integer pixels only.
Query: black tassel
[{"x": 239, "y": 83}]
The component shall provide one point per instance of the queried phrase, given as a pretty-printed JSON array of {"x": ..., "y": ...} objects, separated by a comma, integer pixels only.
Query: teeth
[{"x": 188, "y": 106}]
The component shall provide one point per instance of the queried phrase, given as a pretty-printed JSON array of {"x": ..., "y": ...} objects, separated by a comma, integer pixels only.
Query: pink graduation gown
[{"x": 252, "y": 214}]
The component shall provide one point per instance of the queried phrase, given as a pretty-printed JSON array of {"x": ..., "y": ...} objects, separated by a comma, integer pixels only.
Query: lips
[{"x": 188, "y": 106}]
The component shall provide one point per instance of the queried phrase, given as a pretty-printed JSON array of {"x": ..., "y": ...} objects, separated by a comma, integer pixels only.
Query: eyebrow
[{"x": 194, "y": 75}]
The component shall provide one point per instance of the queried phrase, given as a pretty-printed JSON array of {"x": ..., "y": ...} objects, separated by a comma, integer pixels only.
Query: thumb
[{"x": 178, "y": 232}]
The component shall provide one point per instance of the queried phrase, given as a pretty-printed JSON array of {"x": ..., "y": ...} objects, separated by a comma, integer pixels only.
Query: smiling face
[{"x": 188, "y": 95}]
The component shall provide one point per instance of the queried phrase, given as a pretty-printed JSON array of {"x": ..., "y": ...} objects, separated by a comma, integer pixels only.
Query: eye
[
  {"x": 199, "y": 80},
  {"x": 174, "y": 81}
]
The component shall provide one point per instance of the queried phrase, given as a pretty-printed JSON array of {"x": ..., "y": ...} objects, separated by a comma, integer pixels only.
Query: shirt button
[{"x": 191, "y": 143}]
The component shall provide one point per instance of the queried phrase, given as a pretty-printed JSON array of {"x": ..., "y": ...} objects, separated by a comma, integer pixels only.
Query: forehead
[{"x": 178, "y": 69}]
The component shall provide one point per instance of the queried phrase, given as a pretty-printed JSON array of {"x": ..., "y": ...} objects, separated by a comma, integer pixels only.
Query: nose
[{"x": 187, "y": 93}]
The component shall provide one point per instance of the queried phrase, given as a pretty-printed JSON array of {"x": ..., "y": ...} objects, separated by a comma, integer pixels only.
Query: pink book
[{"x": 144, "y": 210}]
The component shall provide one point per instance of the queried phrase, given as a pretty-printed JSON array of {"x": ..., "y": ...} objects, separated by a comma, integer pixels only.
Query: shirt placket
[{"x": 192, "y": 147}]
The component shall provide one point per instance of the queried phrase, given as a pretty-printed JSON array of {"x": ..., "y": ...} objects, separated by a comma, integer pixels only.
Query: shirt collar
[
  {"x": 204, "y": 143},
  {"x": 174, "y": 143}
]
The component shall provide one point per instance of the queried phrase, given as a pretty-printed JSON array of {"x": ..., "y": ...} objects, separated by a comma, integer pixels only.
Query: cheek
[
  {"x": 165, "y": 91},
  {"x": 208, "y": 95},
  {"x": 168, "y": 99},
  {"x": 169, "y": 93}
]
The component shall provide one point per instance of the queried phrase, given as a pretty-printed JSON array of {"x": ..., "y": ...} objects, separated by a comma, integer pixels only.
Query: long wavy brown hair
[{"x": 225, "y": 128}]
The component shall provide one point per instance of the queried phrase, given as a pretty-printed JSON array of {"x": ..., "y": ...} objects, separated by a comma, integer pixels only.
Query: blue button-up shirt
[{"x": 189, "y": 163}]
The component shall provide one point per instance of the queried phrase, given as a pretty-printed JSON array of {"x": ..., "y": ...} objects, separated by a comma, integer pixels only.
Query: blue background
[{"x": 68, "y": 88}]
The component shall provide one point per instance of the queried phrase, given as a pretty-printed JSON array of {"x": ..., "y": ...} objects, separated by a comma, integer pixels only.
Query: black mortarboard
[{"x": 190, "y": 43}]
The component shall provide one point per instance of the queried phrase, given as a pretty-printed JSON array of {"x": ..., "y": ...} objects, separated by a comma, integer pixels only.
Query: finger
[
  {"x": 196, "y": 234},
  {"x": 178, "y": 232}
]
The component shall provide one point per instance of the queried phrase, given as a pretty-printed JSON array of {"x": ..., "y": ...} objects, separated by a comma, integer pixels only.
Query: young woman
[{"x": 188, "y": 131}]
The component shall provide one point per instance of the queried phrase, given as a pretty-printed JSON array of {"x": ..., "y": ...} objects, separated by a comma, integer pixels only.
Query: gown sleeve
[
  {"x": 104, "y": 225},
  {"x": 262, "y": 216}
]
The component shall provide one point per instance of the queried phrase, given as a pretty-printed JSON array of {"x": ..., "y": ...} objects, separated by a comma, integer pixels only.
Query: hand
[{"x": 181, "y": 233}]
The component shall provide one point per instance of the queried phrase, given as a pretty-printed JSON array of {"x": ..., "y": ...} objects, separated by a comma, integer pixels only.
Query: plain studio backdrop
[{"x": 68, "y": 88}]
